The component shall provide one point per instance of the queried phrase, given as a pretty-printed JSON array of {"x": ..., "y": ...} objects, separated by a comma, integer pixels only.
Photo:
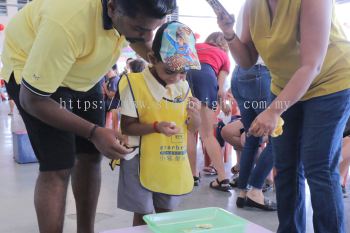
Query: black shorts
[
  {"x": 54, "y": 148},
  {"x": 204, "y": 85}
]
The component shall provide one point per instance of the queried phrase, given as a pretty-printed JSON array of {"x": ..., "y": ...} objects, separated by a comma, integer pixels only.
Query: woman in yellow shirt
[{"x": 308, "y": 56}]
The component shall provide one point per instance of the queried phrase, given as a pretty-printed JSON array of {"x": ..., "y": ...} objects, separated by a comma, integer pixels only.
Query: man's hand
[{"x": 109, "y": 143}]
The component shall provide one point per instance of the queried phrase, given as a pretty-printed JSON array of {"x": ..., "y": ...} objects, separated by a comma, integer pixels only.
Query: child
[{"x": 157, "y": 111}]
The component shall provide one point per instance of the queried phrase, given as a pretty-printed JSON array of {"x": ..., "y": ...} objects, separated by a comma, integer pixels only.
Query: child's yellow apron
[{"x": 164, "y": 164}]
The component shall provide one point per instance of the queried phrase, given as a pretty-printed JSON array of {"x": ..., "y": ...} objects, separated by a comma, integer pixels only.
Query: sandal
[
  {"x": 235, "y": 169},
  {"x": 267, "y": 206},
  {"x": 210, "y": 171},
  {"x": 234, "y": 182},
  {"x": 223, "y": 185},
  {"x": 197, "y": 180}
]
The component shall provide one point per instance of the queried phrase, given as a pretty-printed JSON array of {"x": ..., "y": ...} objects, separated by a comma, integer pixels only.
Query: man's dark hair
[
  {"x": 137, "y": 65},
  {"x": 151, "y": 8}
]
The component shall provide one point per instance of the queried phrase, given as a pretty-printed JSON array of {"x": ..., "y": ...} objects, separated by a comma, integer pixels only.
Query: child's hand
[{"x": 168, "y": 128}]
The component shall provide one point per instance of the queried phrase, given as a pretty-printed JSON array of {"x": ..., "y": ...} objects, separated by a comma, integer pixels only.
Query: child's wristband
[{"x": 155, "y": 127}]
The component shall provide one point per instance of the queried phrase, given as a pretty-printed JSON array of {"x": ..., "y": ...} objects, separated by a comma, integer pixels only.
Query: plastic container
[
  {"x": 22, "y": 149},
  {"x": 195, "y": 221}
]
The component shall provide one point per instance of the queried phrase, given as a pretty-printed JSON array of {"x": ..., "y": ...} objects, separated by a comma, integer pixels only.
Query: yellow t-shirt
[
  {"x": 279, "y": 47},
  {"x": 65, "y": 43}
]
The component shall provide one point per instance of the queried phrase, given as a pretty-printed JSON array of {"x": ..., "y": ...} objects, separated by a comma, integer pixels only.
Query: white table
[{"x": 250, "y": 228}]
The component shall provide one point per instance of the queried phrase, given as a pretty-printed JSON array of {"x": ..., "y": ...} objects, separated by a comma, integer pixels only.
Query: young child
[{"x": 157, "y": 110}]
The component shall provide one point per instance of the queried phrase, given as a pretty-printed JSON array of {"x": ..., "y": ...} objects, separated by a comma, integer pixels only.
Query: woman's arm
[
  {"x": 242, "y": 49},
  {"x": 193, "y": 113},
  {"x": 315, "y": 25},
  {"x": 221, "y": 92}
]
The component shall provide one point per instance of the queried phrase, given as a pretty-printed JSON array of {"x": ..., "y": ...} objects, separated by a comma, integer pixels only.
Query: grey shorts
[{"x": 135, "y": 198}]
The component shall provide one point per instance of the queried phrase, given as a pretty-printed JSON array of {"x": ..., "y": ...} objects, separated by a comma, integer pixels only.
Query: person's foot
[
  {"x": 210, "y": 171},
  {"x": 255, "y": 198},
  {"x": 235, "y": 169},
  {"x": 268, "y": 205},
  {"x": 196, "y": 180},
  {"x": 240, "y": 202},
  {"x": 267, "y": 187},
  {"x": 10, "y": 114},
  {"x": 234, "y": 182},
  {"x": 223, "y": 185}
]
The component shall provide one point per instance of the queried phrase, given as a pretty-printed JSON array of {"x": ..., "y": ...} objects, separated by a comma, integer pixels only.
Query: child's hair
[
  {"x": 137, "y": 65},
  {"x": 217, "y": 39},
  {"x": 157, "y": 41}
]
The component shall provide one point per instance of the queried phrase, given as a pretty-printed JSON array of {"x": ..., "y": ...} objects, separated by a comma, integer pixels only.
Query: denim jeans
[
  {"x": 251, "y": 89},
  {"x": 310, "y": 147}
]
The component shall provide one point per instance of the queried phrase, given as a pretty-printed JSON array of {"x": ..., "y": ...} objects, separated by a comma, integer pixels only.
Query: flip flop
[
  {"x": 223, "y": 185},
  {"x": 197, "y": 180},
  {"x": 210, "y": 171},
  {"x": 235, "y": 169}
]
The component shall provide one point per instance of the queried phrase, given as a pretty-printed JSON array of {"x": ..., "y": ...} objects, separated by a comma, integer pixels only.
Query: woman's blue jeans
[
  {"x": 251, "y": 89},
  {"x": 310, "y": 147}
]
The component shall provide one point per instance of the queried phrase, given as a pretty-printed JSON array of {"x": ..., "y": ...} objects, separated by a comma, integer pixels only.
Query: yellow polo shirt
[
  {"x": 279, "y": 46},
  {"x": 157, "y": 90},
  {"x": 65, "y": 43}
]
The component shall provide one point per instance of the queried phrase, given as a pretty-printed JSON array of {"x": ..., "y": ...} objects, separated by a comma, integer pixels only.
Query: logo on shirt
[{"x": 36, "y": 77}]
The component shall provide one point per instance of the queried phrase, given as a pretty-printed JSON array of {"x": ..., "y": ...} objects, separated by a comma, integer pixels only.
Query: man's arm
[
  {"x": 51, "y": 113},
  {"x": 48, "y": 63}
]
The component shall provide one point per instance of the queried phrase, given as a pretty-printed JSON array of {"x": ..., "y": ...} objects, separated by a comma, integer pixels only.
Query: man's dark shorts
[{"x": 54, "y": 148}]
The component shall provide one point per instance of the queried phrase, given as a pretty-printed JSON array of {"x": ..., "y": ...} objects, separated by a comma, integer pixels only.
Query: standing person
[
  {"x": 207, "y": 85},
  {"x": 160, "y": 174},
  {"x": 251, "y": 89},
  {"x": 307, "y": 53},
  {"x": 54, "y": 54},
  {"x": 110, "y": 86}
]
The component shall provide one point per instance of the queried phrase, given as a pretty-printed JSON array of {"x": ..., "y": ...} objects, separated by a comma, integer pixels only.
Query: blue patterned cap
[{"x": 178, "y": 50}]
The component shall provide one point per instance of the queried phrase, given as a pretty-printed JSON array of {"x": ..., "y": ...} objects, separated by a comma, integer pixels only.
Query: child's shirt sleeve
[{"x": 128, "y": 107}]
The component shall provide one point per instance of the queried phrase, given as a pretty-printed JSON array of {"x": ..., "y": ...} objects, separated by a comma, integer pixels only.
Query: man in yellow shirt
[{"x": 54, "y": 55}]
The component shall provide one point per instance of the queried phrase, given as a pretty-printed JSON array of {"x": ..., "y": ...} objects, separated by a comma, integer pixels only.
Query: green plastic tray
[{"x": 188, "y": 221}]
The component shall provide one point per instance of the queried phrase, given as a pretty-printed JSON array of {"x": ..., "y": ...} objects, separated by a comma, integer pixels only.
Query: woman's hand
[
  {"x": 226, "y": 25},
  {"x": 264, "y": 124},
  {"x": 193, "y": 113}
]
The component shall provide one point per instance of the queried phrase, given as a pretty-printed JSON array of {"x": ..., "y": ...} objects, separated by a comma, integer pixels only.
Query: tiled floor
[{"x": 17, "y": 213}]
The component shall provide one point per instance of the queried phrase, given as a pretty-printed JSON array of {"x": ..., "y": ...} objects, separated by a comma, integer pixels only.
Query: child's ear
[
  {"x": 152, "y": 58},
  {"x": 110, "y": 8}
]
